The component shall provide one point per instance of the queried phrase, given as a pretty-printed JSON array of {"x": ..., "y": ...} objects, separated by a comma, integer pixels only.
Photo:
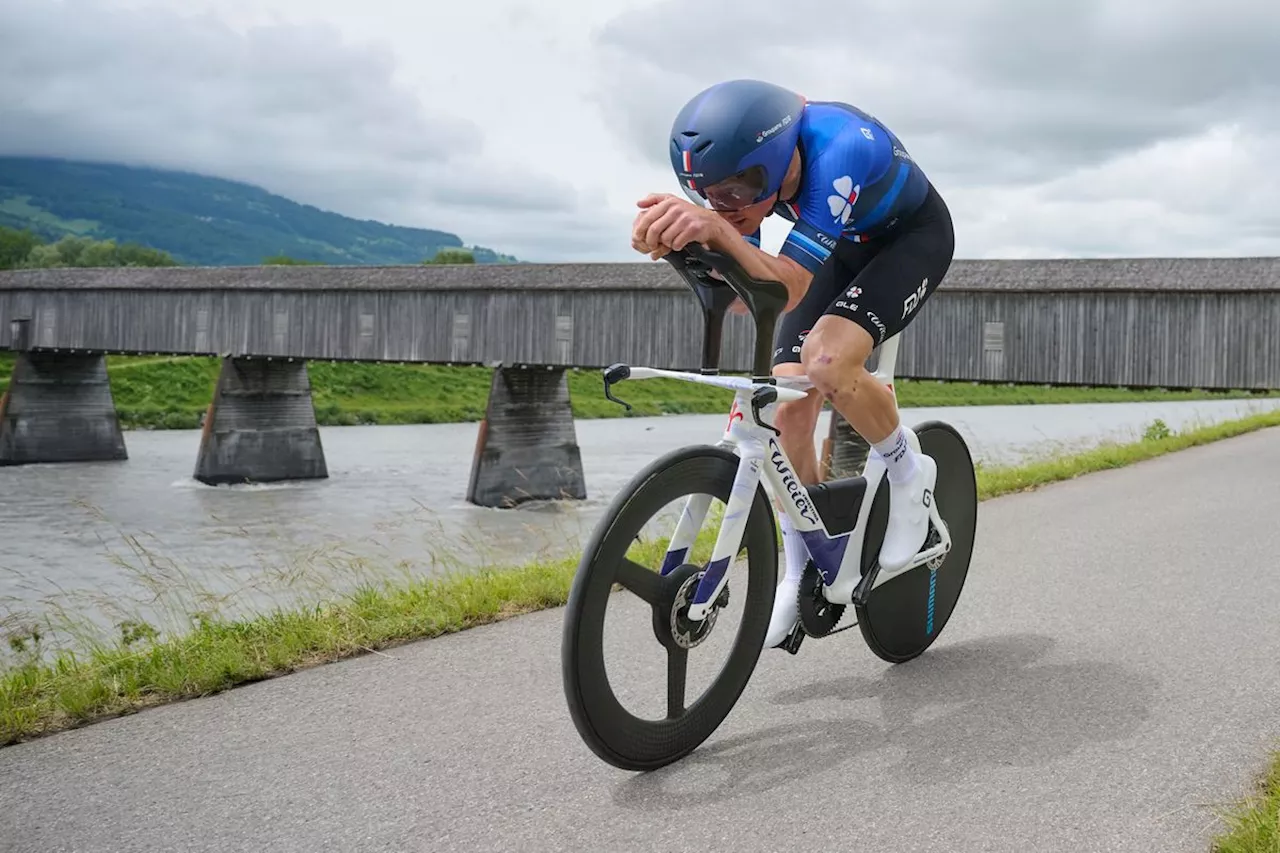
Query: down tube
[
  {"x": 691, "y": 518},
  {"x": 732, "y": 528}
]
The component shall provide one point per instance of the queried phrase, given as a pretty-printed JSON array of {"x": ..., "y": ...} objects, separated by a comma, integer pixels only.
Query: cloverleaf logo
[{"x": 842, "y": 204}]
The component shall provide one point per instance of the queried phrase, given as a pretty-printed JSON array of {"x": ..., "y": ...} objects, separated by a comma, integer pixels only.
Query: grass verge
[
  {"x": 39, "y": 696},
  {"x": 1254, "y": 825},
  {"x": 174, "y": 393}
]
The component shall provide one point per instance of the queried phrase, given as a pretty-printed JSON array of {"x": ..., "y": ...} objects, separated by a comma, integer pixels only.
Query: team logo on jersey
[{"x": 842, "y": 204}]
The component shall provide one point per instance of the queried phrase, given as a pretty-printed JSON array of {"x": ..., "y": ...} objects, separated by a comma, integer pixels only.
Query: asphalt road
[{"x": 1109, "y": 677}]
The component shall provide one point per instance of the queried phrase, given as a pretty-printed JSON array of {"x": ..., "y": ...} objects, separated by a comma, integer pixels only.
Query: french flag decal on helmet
[{"x": 688, "y": 167}]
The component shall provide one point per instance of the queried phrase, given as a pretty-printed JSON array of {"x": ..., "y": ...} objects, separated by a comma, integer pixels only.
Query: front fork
[{"x": 732, "y": 527}]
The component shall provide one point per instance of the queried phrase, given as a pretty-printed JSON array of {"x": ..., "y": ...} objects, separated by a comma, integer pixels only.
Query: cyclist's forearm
[{"x": 760, "y": 264}]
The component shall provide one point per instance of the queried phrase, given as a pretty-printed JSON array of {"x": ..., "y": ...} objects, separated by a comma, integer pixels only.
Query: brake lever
[
  {"x": 616, "y": 373},
  {"x": 760, "y": 398}
]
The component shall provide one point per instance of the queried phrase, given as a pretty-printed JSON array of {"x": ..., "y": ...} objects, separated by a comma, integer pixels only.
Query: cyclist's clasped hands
[{"x": 668, "y": 223}]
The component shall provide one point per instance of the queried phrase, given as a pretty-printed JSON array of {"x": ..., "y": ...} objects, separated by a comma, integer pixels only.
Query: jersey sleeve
[
  {"x": 808, "y": 245},
  {"x": 834, "y": 180}
]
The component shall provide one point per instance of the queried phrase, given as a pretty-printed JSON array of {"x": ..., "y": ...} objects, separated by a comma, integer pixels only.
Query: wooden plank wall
[{"x": 1205, "y": 339}]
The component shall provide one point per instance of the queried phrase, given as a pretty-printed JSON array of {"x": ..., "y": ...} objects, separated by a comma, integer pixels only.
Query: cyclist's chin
[{"x": 747, "y": 220}]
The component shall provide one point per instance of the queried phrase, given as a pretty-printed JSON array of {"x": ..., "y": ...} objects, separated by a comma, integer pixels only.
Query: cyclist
[{"x": 871, "y": 240}]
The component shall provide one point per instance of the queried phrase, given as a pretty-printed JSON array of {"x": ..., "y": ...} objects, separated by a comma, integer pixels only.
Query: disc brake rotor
[{"x": 676, "y": 626}]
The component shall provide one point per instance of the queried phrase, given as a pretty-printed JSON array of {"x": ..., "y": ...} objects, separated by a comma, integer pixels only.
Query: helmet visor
[{"x": 738, "y": 191}]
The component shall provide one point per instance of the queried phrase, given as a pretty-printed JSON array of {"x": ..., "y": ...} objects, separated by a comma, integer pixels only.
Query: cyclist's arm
[{"x": 760, "y": 264}]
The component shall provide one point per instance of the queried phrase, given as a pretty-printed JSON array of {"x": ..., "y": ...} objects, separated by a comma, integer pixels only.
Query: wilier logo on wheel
[
  {"x": 798, "y": 494},
  {"x": 913, "y": 301}
]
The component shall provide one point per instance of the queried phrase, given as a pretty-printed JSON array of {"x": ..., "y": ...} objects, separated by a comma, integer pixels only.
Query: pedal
[
  {"x": 791, "y": 643},
  {"x": 931, "y": 556}
]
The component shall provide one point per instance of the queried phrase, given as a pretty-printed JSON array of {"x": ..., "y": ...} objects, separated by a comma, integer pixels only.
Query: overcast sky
[{"x": 1128, "y": 127}]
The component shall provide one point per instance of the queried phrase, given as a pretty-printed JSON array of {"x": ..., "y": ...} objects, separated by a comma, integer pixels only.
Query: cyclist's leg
[
  {"x": 882, "y": 300},
  {"x": 796, "y": 421}
]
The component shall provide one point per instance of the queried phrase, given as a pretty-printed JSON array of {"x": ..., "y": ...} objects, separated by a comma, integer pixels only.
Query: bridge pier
[
  {"x": 59, "y": 409},
  {"x": 261, "y": 426},
  {"x": 527, "y": 447}
]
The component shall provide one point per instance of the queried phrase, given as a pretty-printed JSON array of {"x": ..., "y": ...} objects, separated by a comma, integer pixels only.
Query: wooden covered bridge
[{"x": 1173, "y": 323}]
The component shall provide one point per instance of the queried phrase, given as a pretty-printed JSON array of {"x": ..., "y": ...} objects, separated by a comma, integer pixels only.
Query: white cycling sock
[
  {"x": 794, "y": 549},
  {"x": 898, "y": 456}
]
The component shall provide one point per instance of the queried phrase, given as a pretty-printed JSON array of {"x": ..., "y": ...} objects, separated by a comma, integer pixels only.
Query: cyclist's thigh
[
  {"x": 829, "y": 281},
  {"x": 887, "y": 294}
]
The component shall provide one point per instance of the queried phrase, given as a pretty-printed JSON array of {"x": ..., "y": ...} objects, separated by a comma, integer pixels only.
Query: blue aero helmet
[{"x": 732, "y": 143}]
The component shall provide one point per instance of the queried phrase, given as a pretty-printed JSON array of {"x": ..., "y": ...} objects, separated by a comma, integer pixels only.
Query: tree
[
  {"x": 286, "y": 261},
  {"x": 15, "y": 246},
  {"x": 76, "y": 251},
  {"x": 452, "y": 256}
]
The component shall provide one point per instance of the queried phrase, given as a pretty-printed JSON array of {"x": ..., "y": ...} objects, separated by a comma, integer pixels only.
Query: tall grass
[{"x": 1253, "y": 825}]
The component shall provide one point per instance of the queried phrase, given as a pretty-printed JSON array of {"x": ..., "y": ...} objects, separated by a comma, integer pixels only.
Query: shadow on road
[{"x": 952, "y": 712}]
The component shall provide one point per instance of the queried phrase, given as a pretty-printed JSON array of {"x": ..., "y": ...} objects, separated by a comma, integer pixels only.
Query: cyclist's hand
[{"x": 667, "y": 222}]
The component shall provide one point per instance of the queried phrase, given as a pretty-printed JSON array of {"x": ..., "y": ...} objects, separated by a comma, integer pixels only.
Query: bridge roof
[{"x": 1042, "y": 275}]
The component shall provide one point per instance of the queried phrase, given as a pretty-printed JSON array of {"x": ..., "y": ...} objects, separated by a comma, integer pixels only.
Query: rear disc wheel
[{"x": 904, "y": 615}]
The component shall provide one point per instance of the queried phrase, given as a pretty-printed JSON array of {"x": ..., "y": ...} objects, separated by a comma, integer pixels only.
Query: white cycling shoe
[
  {"x": 786, "y": 612},
  {"x": 908, "y": 523}
]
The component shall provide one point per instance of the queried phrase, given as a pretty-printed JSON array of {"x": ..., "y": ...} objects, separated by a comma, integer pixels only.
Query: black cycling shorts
[{"x": 880, "y": 284}]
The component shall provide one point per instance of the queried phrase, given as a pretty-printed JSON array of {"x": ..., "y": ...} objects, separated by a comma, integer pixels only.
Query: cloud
[
  {"x": 294, "y": 108},
  {"x": 1051, "y": 128},
  {"x": 1208, "y": 194}
]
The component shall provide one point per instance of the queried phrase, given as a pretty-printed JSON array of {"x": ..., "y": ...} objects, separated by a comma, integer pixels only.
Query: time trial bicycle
[{"x": 842, "y": 521}]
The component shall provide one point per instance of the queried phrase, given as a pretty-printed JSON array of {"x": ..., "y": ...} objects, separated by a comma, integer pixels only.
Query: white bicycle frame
[{"x": 837, "y": 558}]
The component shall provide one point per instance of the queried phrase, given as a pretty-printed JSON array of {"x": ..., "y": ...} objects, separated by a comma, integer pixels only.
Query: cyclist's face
[{"x": 747, "y": 219}]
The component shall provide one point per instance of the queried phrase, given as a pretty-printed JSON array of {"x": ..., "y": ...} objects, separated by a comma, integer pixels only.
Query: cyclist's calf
[{"x": 796, "y": 420}]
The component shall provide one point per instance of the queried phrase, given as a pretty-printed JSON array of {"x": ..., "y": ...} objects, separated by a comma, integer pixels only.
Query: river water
[{"x": 138, "y": 538}]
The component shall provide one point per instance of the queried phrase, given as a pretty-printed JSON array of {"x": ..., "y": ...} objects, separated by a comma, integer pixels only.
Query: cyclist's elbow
[{"x": 795, "y": 278}]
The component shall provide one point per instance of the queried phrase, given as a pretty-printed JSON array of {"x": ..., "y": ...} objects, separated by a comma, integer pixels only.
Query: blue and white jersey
[{"x": 857, "y": 182}]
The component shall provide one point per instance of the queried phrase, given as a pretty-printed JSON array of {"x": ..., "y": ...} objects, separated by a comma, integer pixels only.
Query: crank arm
[{"x": 872, "y": 578}]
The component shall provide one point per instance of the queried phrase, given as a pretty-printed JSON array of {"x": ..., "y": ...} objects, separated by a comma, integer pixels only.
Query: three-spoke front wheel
[{"x": 615, "y": 734}]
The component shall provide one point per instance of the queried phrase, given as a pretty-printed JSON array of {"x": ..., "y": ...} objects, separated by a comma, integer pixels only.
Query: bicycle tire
[
  {"x": 903, "y": 616},
  {"x": 613, "y": 733}
]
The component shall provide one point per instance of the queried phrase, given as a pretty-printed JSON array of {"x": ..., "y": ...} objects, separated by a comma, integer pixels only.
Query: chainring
[{"x": 818, "y": 617}]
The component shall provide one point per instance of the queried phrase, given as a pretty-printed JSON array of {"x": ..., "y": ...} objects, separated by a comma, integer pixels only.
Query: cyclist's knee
[{"x": 834, "y": 356}]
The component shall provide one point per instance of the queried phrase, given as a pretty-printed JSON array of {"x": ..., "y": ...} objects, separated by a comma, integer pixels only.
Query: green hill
[{"x": 200, "y": 220}]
